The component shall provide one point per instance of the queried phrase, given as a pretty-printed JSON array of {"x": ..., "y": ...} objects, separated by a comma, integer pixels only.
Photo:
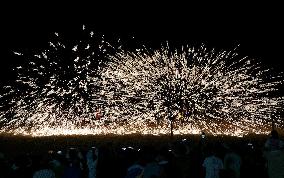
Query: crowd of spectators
[{"x": 179, "y": 158}]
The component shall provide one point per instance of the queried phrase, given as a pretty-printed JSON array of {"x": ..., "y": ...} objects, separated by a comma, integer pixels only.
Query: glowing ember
[{"x": 90, "y": 87}]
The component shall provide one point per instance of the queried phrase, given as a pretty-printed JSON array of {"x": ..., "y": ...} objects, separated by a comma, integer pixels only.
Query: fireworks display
[{"x": 89, "y": 87}]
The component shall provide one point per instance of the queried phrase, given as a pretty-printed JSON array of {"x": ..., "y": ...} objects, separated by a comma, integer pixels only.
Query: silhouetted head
[
  {"x": 211, "y": 149},
  {"x": 274, "y": 134}
]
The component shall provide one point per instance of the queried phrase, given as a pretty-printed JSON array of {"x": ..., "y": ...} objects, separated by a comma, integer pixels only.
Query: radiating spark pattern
[
  {"x": 198, "y": 89},
  {"x": 63, "y": 89},
  {"x": 58, "y": 87}
]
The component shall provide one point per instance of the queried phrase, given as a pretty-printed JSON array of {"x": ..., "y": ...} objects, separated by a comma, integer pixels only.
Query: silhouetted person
[
  {"x": 73, "y": 169},
  {"x": 273, "y": 152},
  {"x": 21, "y": 167},
  {"x": 136, "y": 169},
  {"x": 273, "y": 143},
  {"x": 154, "y": 165},
  {"x": 232, "y": 163},
  {"x": 44, "y": 170},
  {"x": 181, "y": 161},
  {"x": 92, "y": 161},
  {"x": 212, "y": 163}
]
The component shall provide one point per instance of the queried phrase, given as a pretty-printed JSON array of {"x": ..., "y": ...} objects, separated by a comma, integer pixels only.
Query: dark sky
[{"x": 259, "y": 35}]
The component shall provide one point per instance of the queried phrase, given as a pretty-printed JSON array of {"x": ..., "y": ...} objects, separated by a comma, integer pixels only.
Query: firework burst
[
  {"x": 197, "y": 88},
  {"x": 57, "y": 88},
  {"x": 89, "y": 87}
]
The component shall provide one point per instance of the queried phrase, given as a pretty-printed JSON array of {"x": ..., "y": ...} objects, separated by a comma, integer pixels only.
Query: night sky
[{"x": 259, "y": 35}]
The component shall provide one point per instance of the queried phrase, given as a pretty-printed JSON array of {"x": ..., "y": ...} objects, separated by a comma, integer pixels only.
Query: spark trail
[{"x": 61, "y": 89}]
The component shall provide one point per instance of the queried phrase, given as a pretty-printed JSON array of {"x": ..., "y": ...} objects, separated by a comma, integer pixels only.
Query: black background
[{"x": 259, "y": 32}]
